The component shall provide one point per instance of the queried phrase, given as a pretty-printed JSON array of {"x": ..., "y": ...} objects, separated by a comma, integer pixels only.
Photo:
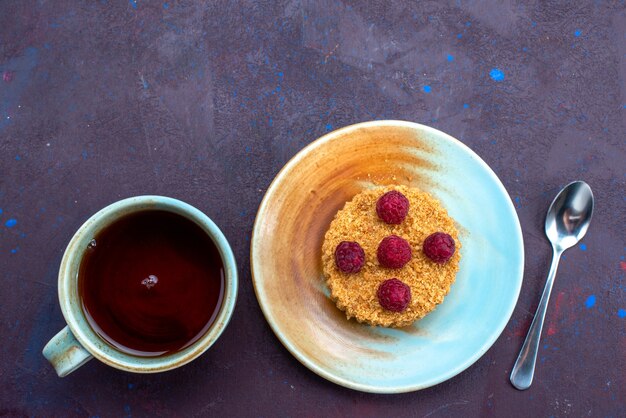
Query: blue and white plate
[{"x": 286, "y": 257}]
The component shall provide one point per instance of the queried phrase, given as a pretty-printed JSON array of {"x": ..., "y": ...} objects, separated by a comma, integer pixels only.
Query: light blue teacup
[{"x": 77, "y": 343}]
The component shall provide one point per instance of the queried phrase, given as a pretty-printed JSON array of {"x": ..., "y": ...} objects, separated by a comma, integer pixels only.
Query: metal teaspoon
[{"x": 566, "y": 223}]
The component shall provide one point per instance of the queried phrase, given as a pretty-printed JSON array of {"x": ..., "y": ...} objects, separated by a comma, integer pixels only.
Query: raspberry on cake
[
  {"x": 394, "y": 295},
  {"x": 393, "y": 252},
  {"x": 392, "y": 207},
  {"x": 376, "y": 260},
  {"x": 439, "y": 247},
  {"x": 349, "y": 257}
]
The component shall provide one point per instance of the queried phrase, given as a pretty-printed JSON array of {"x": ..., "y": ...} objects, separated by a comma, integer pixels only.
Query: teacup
[{"x": 78, "y": 342}]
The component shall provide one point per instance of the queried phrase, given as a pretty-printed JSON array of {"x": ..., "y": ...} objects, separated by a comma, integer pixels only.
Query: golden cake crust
[{"x": 429, "y": 282}]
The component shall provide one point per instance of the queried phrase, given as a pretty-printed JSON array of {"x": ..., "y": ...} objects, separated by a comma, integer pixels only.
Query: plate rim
[{"x": 303, "y": 359}]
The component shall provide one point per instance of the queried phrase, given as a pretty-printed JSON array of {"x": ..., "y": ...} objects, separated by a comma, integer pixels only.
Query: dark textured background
[{"x": 205, "y": 101}]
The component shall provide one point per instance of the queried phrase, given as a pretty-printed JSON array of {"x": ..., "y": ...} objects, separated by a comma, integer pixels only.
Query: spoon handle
[{"x": 524, "y": 368}]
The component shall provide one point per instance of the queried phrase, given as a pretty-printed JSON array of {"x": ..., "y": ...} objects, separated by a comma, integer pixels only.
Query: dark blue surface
[{"x": 205, "y": 101}]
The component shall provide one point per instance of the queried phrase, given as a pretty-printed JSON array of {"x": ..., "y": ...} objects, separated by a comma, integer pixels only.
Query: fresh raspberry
[
  {"x": 349, "y": 257},
  {"x": 439, "y": 247},
  {"x": 392, "y": 207},
  {"x": 394, "y": 295},
  {"x": 393, "y": 252}
]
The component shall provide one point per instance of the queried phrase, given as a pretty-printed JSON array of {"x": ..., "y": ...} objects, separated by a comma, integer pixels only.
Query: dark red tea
[{"x": 151, "y": 283}]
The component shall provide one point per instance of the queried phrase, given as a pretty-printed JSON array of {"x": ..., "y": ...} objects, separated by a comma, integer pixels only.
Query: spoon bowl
[{"x": 569, "y": 215}]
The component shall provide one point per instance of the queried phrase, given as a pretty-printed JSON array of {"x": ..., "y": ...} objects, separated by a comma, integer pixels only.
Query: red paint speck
[
  {"x": 7, "y": 76},
  {"x": 559, "y": 302},
  {"x": 622, "y": 265},
  {"x": 556, "y": 313}
]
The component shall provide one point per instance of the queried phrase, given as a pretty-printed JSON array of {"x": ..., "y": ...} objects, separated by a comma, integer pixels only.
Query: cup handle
[{"x": 65, "y": 353}]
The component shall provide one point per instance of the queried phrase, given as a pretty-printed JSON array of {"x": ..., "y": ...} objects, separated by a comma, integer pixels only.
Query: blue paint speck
[
  {"x": 525, "y": 49},
  {"x": 10, "y": 223},
  {"x": 133, "y": 3},
  {"x": 166, "y": 6},
  {"x": 144, "y": 83},
  {"x": 496, "y": 74},
  {"x": 459, "y": 36},
  {"x": 577, "y": 33},
  {"x": 329, "y": 127},
  {"x": 468, "y": 24},
  {"x": 84, "y": 154},
  {"x": 271, "y": 122},
  {"x": 583, "y": 247},
  {"x": 14, "y": 250},
  {"x": 465, "y": 105},
  {"x": 621, "y": 313},
  {"x": 280, "y": 74},
  {"x": 0, "y": 211},
  {"x": 427, "y": 89},
  {"x": 131, "y": 386},
  {"x": 533, "y": 24},
  {"x": 590, "y": 302},
  {"x": 17, "y": 158},
  {"x": 450, "y": 58}
]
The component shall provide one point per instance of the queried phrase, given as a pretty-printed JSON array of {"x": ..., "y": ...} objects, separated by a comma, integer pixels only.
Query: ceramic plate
[{"x": 286, "y": 257}]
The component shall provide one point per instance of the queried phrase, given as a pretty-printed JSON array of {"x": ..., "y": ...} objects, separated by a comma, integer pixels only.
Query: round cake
[{"x": 390, "y": 256}]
